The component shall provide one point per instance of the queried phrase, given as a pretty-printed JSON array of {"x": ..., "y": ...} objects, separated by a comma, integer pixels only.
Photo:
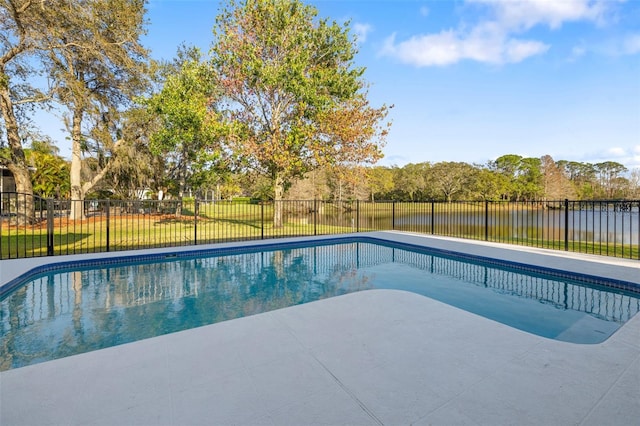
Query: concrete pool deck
[{"x": 372, "y": 357}]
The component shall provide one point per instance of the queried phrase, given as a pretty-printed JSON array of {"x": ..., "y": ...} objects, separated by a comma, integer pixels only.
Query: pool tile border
[
  {"x": 271, "y": 246},
  {"x": 552, "y": 272}
]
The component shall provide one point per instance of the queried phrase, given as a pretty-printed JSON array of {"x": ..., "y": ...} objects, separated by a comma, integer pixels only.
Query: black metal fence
[{"x": 33, "y": 226}]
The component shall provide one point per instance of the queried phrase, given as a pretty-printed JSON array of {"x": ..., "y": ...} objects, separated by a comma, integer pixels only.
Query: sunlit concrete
[{"x": 372, "y": 357}]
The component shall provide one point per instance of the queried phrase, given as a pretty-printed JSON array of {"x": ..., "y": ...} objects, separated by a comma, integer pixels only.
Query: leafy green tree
[
  {"x": 489, "y": 185},
  {"x": 582, "y": 176},
  {"x": 451, "y": 179},
  {"x": 524, "y": 176},
  {"x": 255, "y": 185},
  {"x": 49, "y": 171},
  {"x": 187, "y": 133},
  {"x": 411, "y": 180},
  {"x": 507, "y": 166},
  {"x": 294, "y": 101},
  {"x": 621, "y": 187},
  {"x": 609, "y": 174},
  {"x": 380, "y": 180},
  {"x": 528, "y": 182}
]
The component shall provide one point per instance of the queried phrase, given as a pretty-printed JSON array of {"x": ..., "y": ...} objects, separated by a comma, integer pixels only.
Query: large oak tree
[
  {"x": 293, "y": 99},
  {"x": 89, "y": 54},
  {"x": 96, "y": 65},
  {"x": 22, "y": 23}
]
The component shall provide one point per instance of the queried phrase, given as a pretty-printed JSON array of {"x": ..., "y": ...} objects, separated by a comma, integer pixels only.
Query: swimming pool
[{"x": 72, "y": 308}]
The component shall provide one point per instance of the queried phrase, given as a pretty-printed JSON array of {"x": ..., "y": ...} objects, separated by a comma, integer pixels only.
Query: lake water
[{"x": 622, "y": 228}]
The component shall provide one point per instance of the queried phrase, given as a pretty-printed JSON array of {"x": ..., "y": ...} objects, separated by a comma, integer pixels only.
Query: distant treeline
[{"x": 509, "y": 177}]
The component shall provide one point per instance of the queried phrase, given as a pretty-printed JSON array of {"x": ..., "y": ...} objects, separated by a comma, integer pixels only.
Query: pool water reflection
[{"x": 69, "y": 312}]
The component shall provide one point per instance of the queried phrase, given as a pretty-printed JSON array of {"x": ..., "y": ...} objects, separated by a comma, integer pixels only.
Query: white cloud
[
  {"x": 617, "y": 152},
  {"x": 524, "y": 14},
  {"x": 628, "y": 156},
  {"x": 519, "y": 50},
  {"x": 434, "y": 49},
  {"x": 449, "y": 47},
  {"x": 361, "y": 31},
  {"x": 495, "y": 40}
]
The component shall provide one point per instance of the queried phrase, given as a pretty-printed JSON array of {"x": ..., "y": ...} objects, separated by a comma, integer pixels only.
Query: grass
[
  {"x": 148, "y": 231},
  {"x": 236, "y": 222}
]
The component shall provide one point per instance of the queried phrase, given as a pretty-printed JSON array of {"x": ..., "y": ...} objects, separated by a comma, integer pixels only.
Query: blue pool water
[{"x": 71, "y": 311}]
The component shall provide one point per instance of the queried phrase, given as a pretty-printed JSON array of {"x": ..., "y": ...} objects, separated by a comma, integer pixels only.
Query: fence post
[
  {"x": 357, "y": 215},
  {"x": 108, "y": 214},
  {"x": 315, "y": 216},
  {"x": 262, "y": 220},
  {"x": 432, "y": 214},
  {"x": 638, "y": 228},
  {"x": 393, "y": 215},
  {"x": 566, "y": 224},
  {"x": 195, "y": 221},
  {"x": 486, "y": 220},
  {"x": 49, "y": 227}
]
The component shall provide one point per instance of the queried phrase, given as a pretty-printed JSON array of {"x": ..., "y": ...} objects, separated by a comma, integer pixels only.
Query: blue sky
[{"x": 472, "y": 80}]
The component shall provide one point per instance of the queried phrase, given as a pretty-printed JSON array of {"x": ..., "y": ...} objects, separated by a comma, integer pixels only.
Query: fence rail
[{"x": 34, "y": 226}]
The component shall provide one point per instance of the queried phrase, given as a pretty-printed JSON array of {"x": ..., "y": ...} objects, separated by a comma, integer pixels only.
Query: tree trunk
[
  {"x": 182, "y": 184},
  {"x": 25, "y": 212},
  {"x": 17, "y": 163},
  {"x": 278, "y": 193},
  {"x": 77, "y": 194}
]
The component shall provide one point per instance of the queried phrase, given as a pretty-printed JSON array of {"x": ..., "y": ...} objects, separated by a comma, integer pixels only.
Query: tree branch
[
  {"x": 87, "y": 186},
  {"x": 34, "y": 99}
]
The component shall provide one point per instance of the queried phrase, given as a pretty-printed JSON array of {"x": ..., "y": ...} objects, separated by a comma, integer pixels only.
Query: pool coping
[{"x": 610, "y": 272}]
